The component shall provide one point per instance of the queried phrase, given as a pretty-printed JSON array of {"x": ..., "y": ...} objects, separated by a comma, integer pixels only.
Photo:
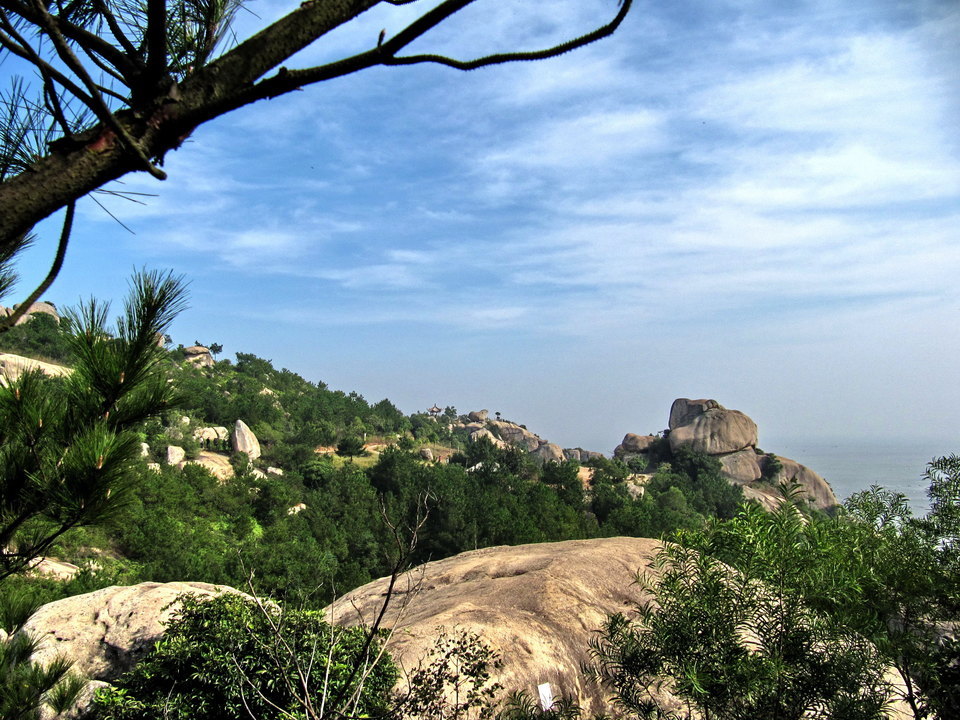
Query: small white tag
[{"x": 546, "y": 696}]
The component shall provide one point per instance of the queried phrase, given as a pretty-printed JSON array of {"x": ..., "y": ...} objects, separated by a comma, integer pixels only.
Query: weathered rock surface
[
  {"x": 684, "y": 410},
  {"x": 175, "y": 454},
  {"x": 198, "y": 355},
  {"x": 515, "y": 435},
  {"x": 715, "y": 431},
  {"x": 106, "y": 631},
  {"x": 13, "y": 366},
  {"x": 426, "y": 454},
  {"x": 38, "y": 308},
  {"x": 549, "y": 452},
  {"x": 218, "y": 465},
  {"x": 536, "y": 605},
  {"x": 479, "y": 415},
  {"x": 817, "y": 490},
  {"x": 741, "y": 467},
  {"x": 485, "y": 434},
  {"x": 243, "y": 440}
]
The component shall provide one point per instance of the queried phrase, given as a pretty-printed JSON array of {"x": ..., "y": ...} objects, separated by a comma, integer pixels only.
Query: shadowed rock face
[{"x": 536, "y": 605}]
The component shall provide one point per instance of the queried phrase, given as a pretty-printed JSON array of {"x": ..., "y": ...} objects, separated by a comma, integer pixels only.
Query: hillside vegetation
[{"x": 304, "y": 520}]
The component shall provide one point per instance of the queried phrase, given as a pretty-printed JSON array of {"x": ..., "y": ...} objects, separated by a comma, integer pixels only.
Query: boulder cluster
[
  {"x": 503, "y": 433},
  {"x": 731, "y": 436},
  {"x": 37, "y": 308}
]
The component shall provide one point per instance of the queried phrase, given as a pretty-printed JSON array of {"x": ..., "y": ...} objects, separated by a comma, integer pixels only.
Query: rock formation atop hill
[
  {"x": 38, "y": 308},
  {"x": 243, "y": 440},
  {"x": 536, "y": 605},
  {"x": 503, "y": 433},
  {"x": 731, "y": 437},
  {"x": 198, "y": 355}
]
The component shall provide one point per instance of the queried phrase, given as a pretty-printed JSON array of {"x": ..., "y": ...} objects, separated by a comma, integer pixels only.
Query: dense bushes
[{"x": 233, "y": 658}]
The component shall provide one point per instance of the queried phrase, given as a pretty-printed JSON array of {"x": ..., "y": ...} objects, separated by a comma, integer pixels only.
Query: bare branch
[
  {"x": 11, "y": 319},
  {"x": 127, "y": 66},
  {"x": 500, "y": 58},
  {"x": 156, "y": 37},
  {"x": 99, "y": 107},
  {"x": 385, "y": 54},
  {"x": 15, "y": 43},
  {"x": 115, "y": 29}
]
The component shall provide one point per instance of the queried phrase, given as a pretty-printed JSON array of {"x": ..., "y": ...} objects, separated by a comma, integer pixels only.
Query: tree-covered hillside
[{"x": 303, "y": 519}]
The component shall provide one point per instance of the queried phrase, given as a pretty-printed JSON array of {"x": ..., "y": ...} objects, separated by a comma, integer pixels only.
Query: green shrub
[{"x": 229, "y": 657}]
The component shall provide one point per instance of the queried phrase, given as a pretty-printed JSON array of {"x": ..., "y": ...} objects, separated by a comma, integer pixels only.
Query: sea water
[{"x": 853, "y": 465}]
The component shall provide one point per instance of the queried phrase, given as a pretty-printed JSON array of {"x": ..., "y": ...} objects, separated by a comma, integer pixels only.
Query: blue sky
[{"x": 726, "y": 199}]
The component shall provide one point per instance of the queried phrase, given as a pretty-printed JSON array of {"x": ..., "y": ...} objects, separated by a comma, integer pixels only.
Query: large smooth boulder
[
  {"x": 13, "y": 366},
  {"x": 42, "y": 308},
  {"x": 684, "y": 410},
  {"x": 637, "y": 443},
  {"x": 243, "y": 440},
  {"x": 515, "y": 435},
  {"x": 175, "y": 454},
  {"x": 715, "y": 431},
  {"x": 817, "y": 490},
  {"x": 549, "y": 452},
  {"x": 479, "y": 415},
  {"x": 536, "y": 605},
  {"x": 741, "y": 467},
  {"x": 198, "y": 355},
  {"x": 216, "y": 464},
  {"x": 105, "y": 632}
]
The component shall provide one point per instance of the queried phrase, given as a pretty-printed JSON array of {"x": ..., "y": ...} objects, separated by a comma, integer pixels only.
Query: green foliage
[
  {"x": 770, "y": 466},
  {"x": 453, "y": 680},
  {"x": 229, "y": 657},
  {"x": 732, "y": 644},
  {"x": 41, "y": 337},
  {"x": 26, "y": 687},
  {"x": 67, "y": 445},
  {"x": 520, "y": 706},
  {"x": 350, "y": 446}
]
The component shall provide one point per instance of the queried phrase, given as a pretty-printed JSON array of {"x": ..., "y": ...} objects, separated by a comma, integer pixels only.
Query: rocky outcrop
[
  {"x": 503, "y": 433},
  {"x": 742, "y": 467},
  {"x": 715, "y": 430},
  {"x": 549, "y": 452},
  {"x": 198, "y": 355},
  {"x": 13, "y": 366},
  {"x": 484, "y": 434},
  {"x": 426, "y": 454},
  {"x": 633, "y": 445},
  {"x": 38, "y": 308},
  {"x": 515, "y": 435},
  {"x": 536, "y": 605},
  {"x": 216, "y": 464},
  {"x": 580, "y": 455},
  {"x": 175, "y": 455},
  {"x": 731, "y": 436},
  {"x": 243, "y": 440},
  {"x": 211, "y": 434},
  {"x": 106, "y": 631},
  {"x": 817, "y": 490}
]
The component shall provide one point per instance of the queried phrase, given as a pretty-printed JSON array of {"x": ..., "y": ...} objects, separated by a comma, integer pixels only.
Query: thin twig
[{"x": 11, "y": 319}]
